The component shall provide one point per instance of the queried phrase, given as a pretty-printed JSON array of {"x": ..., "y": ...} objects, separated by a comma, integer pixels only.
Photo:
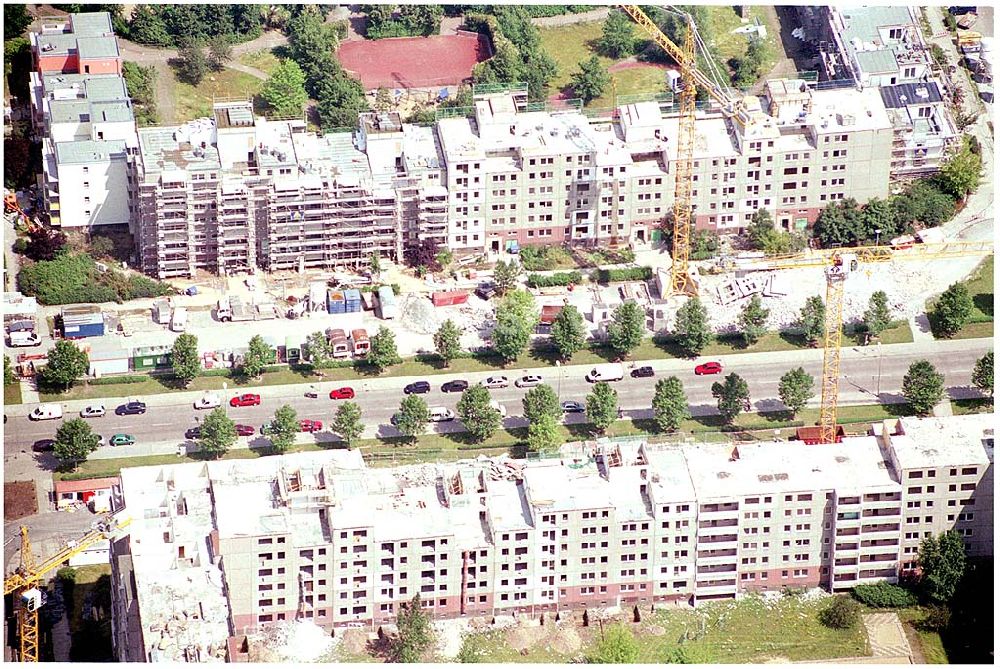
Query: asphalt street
[{"x": 866, "y": 376}]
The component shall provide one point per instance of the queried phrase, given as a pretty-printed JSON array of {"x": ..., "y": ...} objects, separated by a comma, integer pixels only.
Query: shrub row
[
  {"x": 884, "y": 596},
  {"x": 626, "y": 274},
  {"x": 557, "y": 279},
  {"x": 113, "y": 380}
]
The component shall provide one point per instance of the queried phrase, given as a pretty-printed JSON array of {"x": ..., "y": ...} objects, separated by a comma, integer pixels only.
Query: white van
[
  {"x": 46, "y": 412},
  {"x": 609, "y": 372},
  {"x": 178, "y": 322},
  {"x": 441, "y": 414},
  {"x": 499, "y": 407},
  {"x": 24, "y": 339}
]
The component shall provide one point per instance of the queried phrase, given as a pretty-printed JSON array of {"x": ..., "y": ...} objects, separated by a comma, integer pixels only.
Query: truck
[
  {"x": 161, "y": 311},
  {"x": 178, "y": 321},
  {"x": 234, "y": 309},
  {"x": 614, "y": 371},
  {"x": 387, "y": 303}
]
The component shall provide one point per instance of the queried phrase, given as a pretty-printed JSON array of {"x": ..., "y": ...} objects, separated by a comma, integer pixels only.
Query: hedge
[
  {"x": 884, "y": 596},
  {"x": 557, "y": 279},
  {"x": 626, "y": 274},
  {"x": 113, "y": 380}
]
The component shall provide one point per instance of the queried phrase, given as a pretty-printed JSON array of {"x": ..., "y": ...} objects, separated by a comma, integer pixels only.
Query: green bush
[
  {"x": 557, "y": 279},
  {"x": 626, "y": 274},
  {"x": 844, "y": 613},
  {"x": 115, "y": 380},
  {"x": 884, "y": 596},
  {"x": 67, "y": 575},
  {"x": 938, "y": 619},
  {"x": 73, "y": 278}
]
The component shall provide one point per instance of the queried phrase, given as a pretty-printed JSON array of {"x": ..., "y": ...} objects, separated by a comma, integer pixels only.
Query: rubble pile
[
  {"x": 296, "y": 641},
  {"x": 419, "y": 315}
]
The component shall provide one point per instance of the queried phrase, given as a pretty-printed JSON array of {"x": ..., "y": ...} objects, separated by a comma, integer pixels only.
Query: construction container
[
  {"x": 151, "y": 357},
  {"x": 161, "y": 311},
  {"x": 360, "y": 342},
  {"x": 352, "y": 300},
  {"x": 811, "y": 434},
  {"x": 338, "y": 342},
  {"x": 368, "y": 300},
  {"x": 293, "y": 349},
  {"x": 444, "y": 298},
  {"x": 317, "y": 293},
  {"x": 84, "y": 320},
  {"x": 387, "y": 303},
  {"x": 335, "y": 302}
]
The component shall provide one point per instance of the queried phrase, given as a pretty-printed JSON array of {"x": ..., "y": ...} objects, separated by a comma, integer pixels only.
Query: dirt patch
[
  {"x": 19, "y": 500},
  {"x": 772, "y": 659},
  {"x": 632, "y": 64},
  {"x": 654, "y": 630},
  {"x": 354, "y": 641},
  {"x": 565, "y": 641},
  {"x": 523, "y": 638}
]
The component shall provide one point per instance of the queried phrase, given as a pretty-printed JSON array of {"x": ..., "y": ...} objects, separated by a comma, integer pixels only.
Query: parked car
[
  {"x": 441, "y": 414},
  {"x": 245, "y": 430},
  {"x": 23, "y": 338},
  {"x": 46, "y": 412},
  {"x": 44, "y": 445},
  {"x": 456, "y": 386},
  {"x": 193, "y": 433},
  {"x": 708, "y": 368},
  {"x": 92, "y": 411},
  {"x": 344, "y": 393},
  {"x": 486, "y": 290},
  {"x": 417, "y": 388},
  {"x": 208, "y": 401},
  {"x": 572, "y": 406},
  {"x": 265, "y": 429},
  {"x": 496, "y": 382},
  {"x": 529, "y": 381},
  {"x": 245, "y": 400},
  {"x": 131, "y": 408},
  {"x": 309, "y": 425},
  {"x": 642, "y": 372},
  {"x": 122, "y": 439}
]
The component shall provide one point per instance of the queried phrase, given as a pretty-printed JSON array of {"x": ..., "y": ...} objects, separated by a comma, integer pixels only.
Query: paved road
[{"x": 170, "y": 415}]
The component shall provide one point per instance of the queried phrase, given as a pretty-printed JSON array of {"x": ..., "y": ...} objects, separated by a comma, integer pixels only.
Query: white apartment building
[{"x": 322, "y": 537}]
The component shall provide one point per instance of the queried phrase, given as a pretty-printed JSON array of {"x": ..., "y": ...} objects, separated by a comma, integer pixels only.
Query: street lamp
[
  {"x": 878, "y": 231},
  {"x": 878, "y": 382}
]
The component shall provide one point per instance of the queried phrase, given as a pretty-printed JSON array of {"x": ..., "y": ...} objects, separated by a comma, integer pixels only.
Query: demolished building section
[{"x": 219, "y": 550}]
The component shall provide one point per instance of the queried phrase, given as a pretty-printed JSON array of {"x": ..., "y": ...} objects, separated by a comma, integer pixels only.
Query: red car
[
  {"x": 248, "y": 400},
  {"x": 708, "y": 368},
  {"x": 245, "y": 430},
  {"x": 342, "y": 394},
  {"x": 307, "y": 425}
]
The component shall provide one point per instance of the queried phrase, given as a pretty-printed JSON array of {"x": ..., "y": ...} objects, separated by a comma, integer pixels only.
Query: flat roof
[
  {"x": 89, "y": 151},
  {"x": 942, "y": 442},
  {"x": 91, "y": 24},
  {"x": 97, "y": 47},
  {"x": 903, "y": 95},
  {"x": 882, "y": 61}
]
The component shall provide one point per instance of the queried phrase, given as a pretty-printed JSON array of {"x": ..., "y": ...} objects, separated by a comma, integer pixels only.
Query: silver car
[
  {"x": 496, "y": 382},
  {"x": 93, "y": 411},
  {"x": 529, "y": 381}
]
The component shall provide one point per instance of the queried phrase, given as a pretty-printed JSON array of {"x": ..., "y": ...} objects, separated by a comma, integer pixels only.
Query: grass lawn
[
  {"x": 196, "y": 101},
  {"x": 568, "y": 46},
  {"x": 748, "y": 631},
  {"x": 930, "y": 642},
  {"x": 723, "y": 20},
  {"x": 980, "y": 285},
  {"x": 645, "y": 79},
  {"x": 12, "y": 394},
  {"x": 264, "y": 60},
  {"x": 979, "y": 405}
]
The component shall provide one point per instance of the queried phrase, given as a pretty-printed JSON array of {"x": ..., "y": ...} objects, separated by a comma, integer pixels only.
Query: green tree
[
  {"x": 285, "y": 91},
  {"x": 341, "y": 98},
  {"x": 184, "y": 358},
  {"x": 476, "y": 413},
  {"x": 923, "y": 387},
  {"x": 746, "y": 70},
  {"x": 877, "y": 316},
  {"x": 311, "y": 44},
  {"x": 670, "y": 405},
  {"x": 375, "y": 264},
  {"x": 218, "y": 433},
  {"x": 16, "y": 20},
  {"x": 220, "y": 51},
  {"x": 347, "y": 422},
  {"x": 922, "y": 202},
  {"x": 284, "y": 427},
  {"x": 568, "y": 332},
  {"x": 66, "y": 363},
  {"x": 413, "y": 416},
  {"x": 627, "y": 327},
  {"x": 752, "y": 320},
  {"x": 953, "y": 309},
  {"x": 795, "y": 389},
  {"x": 192, "y": 66},
  {"x": 733, "y": 395},
  {"x": 147, "y": 27},
  {"x": 74, "y": 442},
  {"x": 511, "y": 333},
  {"x": 543, "y": 434},
  {"x": 541, "y": 401},
  {"x": 256, "y": 358},
  {"x": 8, "y": 372},
  {"x": 842, "y": 614},
  {"x": 839, "y": 223},
  {"x": 961, "y": 172},
  {"x": 691, "y": 329},
  {"x": 505, "y": 274},
  {"x": 319, "y": 348},
  {"x": 813, "y": 319},
  {"x": 421, "y": 20},
  {"x": 878, "y": 220},
  {"x": 618, "y": 37},
  {"x": 590, "y": 80},
  {"x": 382, "y": 353},
  {"x": 982, "y": 374},
  {"x": 617, "y": 646},
  {"x": 448, "y": 342},
  {"x": 602, "y": 406},
  {"x": 942, "y": 564},
  {"x": 415, "y": 633}
]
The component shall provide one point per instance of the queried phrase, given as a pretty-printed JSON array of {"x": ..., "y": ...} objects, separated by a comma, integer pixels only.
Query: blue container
[
  {"x": 352, "y": 299},
  {"x": 84, "y": 330}
]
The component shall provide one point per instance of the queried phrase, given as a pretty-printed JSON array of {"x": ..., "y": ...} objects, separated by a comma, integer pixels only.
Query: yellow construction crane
[
  {"x": 24, "y": 582},
  {"x": 691, "y": 79},
  {"x": 840, "y": 264}
]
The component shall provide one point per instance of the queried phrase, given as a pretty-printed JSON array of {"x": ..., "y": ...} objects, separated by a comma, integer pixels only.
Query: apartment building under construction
[{"x": 218, "y": 549}]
